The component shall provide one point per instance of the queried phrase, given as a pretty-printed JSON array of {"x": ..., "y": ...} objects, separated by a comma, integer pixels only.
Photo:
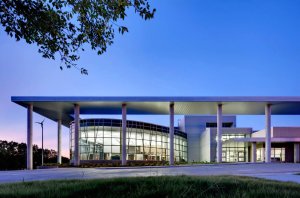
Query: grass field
[{"x": 165, "y": 186}]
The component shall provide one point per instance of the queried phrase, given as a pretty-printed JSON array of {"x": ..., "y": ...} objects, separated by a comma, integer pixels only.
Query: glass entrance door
[{"x": 234, "y": 154}]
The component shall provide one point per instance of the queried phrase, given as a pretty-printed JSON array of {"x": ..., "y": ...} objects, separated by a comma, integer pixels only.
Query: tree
[
  {"x": 13, "y": 156},
  {"x": 64, "y": 27}
]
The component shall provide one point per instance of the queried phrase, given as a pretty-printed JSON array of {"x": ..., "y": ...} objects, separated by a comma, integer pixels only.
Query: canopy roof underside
[{"x": 61, "y": 107}]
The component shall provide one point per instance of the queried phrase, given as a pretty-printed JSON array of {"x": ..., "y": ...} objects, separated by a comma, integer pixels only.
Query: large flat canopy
[
  {"x": 60, "y": 107},
  {"x": 261, "y": 139}
]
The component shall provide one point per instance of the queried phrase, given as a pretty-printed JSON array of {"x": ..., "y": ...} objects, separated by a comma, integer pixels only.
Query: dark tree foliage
[
  {"x": 13, "y": 156},
  {"x": 63, "y": 27}
]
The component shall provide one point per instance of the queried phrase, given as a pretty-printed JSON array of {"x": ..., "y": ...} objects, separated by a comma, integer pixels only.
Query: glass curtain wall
[
  {"x": 277, "y": 154},
  {"x": 100, "y": 139},
  {"x": 234, "y": 151}
]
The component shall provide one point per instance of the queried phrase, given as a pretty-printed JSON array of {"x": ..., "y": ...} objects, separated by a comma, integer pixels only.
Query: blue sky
[{"x": 190, "y": 48}]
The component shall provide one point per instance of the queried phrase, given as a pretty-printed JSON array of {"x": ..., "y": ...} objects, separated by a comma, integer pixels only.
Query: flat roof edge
[{"x": 155, "y": 98}]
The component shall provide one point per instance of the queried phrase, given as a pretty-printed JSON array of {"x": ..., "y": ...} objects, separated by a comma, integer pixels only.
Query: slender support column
[
  {"x": 219, "y": 133},
  {"x": 253, "y": 152},
  {"x": 268, "y": 134},
  {"x": 124, "y": 120},
  {"x": 171, "y": 134},
  {"x": 296, "y": 152},
  {"x": 76, "y": 135},
  {"x": 59, "y": 141},
  {"x": 29, "y": 137}
]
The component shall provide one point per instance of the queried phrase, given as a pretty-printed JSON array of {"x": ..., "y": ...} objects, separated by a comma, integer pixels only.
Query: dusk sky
[{"x": 190, "y": 48}]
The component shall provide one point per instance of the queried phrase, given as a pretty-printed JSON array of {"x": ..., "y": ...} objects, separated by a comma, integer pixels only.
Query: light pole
[{"x": 42, "y": 125}]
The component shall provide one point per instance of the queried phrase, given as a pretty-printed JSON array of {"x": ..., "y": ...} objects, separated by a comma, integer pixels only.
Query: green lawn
[{"x": 176, "y": 186}]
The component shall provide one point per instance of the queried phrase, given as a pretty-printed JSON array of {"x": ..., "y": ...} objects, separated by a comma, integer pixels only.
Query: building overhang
[
  {"x": 61, "y": 107},
  {"x": 262, "y": 140}
]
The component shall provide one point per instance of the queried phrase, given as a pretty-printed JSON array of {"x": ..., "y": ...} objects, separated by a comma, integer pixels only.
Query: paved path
[{"x": 281, "y": 172}]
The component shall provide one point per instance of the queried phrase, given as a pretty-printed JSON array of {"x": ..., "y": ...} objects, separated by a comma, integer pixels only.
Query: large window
[
  {"x": 215, "y": 125},
  {"x": 100, "y": 139},
  {"x": 234, "y": 151},
  {"x": 277, "y": 154},
  {"x": 234, "y": 154}
]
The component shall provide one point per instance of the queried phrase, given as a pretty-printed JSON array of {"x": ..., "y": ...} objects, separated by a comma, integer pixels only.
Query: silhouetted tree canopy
[
  {"x": 63, "y": 27},
  {"x": 13, "y": 156}
]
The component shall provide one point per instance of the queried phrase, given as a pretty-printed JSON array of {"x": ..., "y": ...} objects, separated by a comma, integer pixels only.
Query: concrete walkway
[{"x": 274, "y": 171}]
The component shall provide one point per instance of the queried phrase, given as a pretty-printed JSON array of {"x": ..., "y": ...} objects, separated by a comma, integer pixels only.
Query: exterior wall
[
  {"x": 227, "y": 134},
  {"x": 100, "y": 139},
  {"x": 202, "y": 140},
  {"x": 239, "y": 130},
  {"x": 286, "y": 132},
  {"x": 288, "y": 154},
  {"x": 194, "y": 130},
  {"x": 195, "y": 126},
  {"x": 205, "y": 146},
  {"x": 279, "y": 132},
  {"x": 260, "y": 133},
  {"x": 200, "y": 143},
  {"x": 213, "y": 144},
  {"x": 282, "y": 132}
]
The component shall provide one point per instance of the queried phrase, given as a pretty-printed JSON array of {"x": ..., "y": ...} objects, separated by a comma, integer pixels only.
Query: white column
[
  {"x": 219, "y": 133},
  {"x": 76, "y": 135},
  {"x": 268, "y": 134},
  {"x": 253, "y": 152},
  {"x": 29, "y": 137},
  {"x": 171, "y": 134},
  {"x": 59, "y": 141},
  {"x": 296, "y": 152},
  {"x": 124, "y": 120}
]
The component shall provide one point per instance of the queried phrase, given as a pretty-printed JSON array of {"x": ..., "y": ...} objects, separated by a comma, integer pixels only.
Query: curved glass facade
[{"x": 100, "y": 139}]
